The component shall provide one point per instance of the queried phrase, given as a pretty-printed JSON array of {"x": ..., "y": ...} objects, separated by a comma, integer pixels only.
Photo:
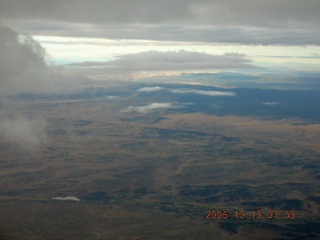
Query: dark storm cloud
[{"x": 290, "y": 22}]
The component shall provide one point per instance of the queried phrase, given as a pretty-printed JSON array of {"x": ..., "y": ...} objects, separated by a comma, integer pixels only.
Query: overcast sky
[{"x": 172, "y": 35}]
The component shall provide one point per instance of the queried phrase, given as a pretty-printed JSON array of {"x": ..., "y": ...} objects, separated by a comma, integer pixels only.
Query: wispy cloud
[
  {"x": 69, "y": 198},
  {"x": 150, "y": 89},
  {"x": 148, "y": 108},
  {"x": 112, "y": 97},
  {"x": 203, "y": 92},
  {"x": 189, "y": 91},
  {"x": 271, "y": 103},
  {"x": 27, "y": 132}
]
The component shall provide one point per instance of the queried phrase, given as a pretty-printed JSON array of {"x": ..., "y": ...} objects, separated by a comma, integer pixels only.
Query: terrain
[{"x": 160, "y": 161}]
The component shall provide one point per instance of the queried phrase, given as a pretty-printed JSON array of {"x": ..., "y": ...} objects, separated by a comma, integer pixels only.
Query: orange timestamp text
[{"x": 257, "y": 214}]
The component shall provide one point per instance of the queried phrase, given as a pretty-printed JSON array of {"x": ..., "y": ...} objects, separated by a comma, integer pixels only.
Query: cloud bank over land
[
  {"x": 170, "y": 61},
  {"x": 180, "y": 60}
]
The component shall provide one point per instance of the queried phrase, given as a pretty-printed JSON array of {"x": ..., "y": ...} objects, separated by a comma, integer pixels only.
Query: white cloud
[
  {"x": 271, "y": 103},
  {"x": 150, "y": 89},
  {"x": 112, "y": 97},
  {"x": 22, "y": 65},
  {"x": 23, "y": 68},
  {"x": 203, "y": 92},
  {"x": 28, "y": 131},
  {"x": 147, "y": 108},
  {"x": 69, "y": 198}
]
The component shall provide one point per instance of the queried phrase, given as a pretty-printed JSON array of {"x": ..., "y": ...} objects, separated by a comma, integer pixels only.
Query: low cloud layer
[
  {"x": 181, "y": 60},
  {"x": 171, "y": 61}
]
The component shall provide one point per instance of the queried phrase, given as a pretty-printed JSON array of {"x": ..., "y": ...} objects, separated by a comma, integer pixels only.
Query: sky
[{"x": 133, "y": 39}]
